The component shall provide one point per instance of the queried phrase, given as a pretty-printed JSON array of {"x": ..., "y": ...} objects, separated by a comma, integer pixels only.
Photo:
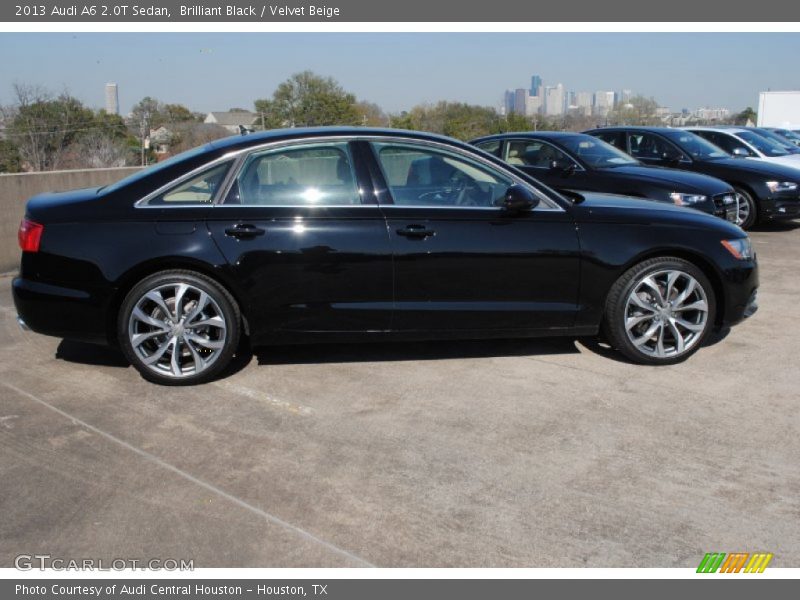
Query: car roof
[
  {"x": 725, "y": 129},
  {"x": 274, "y": 135}
]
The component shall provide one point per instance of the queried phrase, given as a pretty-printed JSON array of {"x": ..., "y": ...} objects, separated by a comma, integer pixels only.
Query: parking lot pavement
[{"x": 550, "y": 453}]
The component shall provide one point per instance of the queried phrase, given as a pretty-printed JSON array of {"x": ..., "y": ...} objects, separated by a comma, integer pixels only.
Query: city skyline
[{"x": 208, "y": 72}]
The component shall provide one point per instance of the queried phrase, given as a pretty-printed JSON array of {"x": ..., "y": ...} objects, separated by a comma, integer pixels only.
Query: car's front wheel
[
  {"x": 659, "y": 311},
  {"x": 747, "y": 216},
  {"x": 179, "y": 327}
]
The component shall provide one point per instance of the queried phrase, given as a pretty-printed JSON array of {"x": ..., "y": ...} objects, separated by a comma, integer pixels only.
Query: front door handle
[
  {"x": 243, "y": 231},
  {"x": 415, "y": 231}
]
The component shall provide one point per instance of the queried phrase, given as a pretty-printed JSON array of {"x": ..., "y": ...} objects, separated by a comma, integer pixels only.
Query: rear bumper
[{"x": 60, "y": 311}]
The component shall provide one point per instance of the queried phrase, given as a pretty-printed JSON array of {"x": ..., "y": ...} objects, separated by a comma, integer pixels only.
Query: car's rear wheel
[
  {"x": 748, "y": 211},
  {"x": 660, "y": 311},
  {"x": 179, "y": 327}
]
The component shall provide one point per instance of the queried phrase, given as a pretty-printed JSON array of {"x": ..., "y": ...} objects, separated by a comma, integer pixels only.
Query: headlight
[
  {"x": 687, "y": 199},
  {"x": 740, "y": 248},
  {"x": 781, "y": 186}
]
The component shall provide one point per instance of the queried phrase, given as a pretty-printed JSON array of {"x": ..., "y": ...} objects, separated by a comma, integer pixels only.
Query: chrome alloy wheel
[
  {"x": 743, "y": 212},
  {"x": 666, "y": 313},
  {"x": 177, "y": 330}
]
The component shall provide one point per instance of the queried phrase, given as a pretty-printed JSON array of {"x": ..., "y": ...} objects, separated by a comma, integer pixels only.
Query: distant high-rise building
[
  {"x": 583, "y": 102},
  {"x": 624, "y": 96},
  {"x": 603, "y": 102},
  {"x": 508, "y": 102},
  {"x": 112, "y": 99},
  {"x": 521, "y": 96},
  {"x": 533, "y": 105},
  {"x": 536, "y": 84},
  {"x": 555, "y": 100}
]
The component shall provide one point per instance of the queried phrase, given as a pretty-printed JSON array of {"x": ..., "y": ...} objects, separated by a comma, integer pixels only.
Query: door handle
[
  {"x": 244, "y": 231},
  {"x": 415, "y": 231}
]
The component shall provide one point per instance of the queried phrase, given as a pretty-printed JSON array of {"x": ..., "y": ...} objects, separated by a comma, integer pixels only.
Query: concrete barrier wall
[{"x": 16, "y": 189}]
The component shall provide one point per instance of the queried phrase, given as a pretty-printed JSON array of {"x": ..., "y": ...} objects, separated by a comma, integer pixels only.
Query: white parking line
[{"x": 154, "y": 459}]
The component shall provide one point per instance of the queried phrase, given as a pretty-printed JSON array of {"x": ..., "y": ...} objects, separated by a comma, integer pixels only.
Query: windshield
[
  {"x": 152, "y": 169},
  {"x": 596, "y": 153},
  {"x": 762, "y": 144},
  {"x": 697, "y": 147},
  {"x": 781, "y": 141}
]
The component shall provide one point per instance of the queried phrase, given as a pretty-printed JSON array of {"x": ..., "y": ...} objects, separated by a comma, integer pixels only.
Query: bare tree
[{"x": 95, "y": 151}]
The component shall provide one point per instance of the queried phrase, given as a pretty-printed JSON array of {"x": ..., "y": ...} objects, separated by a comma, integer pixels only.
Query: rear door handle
[
  {"x": 243, "y": 231},
  {"x": 415, "y": 231}
]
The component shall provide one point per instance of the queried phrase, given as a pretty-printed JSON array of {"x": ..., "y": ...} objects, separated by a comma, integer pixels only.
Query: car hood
[
  {"x": 56, "y": 206},
  {"x": 763, "y": 168},
  {"x": 611, "y": 208},
  {"x": 681, "y": 181},
  {"x": 790, "y": 160}
]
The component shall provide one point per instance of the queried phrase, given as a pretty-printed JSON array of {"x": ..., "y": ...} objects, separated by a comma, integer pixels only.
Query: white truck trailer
[{"x": 779, "y": 109}]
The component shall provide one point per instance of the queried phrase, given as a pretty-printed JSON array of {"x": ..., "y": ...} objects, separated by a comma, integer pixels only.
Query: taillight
[{"x": 30, "y": 234}]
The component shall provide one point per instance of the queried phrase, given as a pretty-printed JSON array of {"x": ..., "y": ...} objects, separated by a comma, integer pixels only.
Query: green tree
[
  {"x": 748, "y": 114},
  {"x": 43, "y": 127},
  {"x": 10, "y": 161},
  {"x": 308, "y": 100},
  {"x": 371, "y": 115},
  {"x": 455, "y": 119}
]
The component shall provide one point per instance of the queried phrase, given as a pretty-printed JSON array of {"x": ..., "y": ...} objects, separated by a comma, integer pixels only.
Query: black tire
[
  {"x": 224, "y": 334},
  {"x": 621, "y": 309},
  {"x": 752, "y": 208}
]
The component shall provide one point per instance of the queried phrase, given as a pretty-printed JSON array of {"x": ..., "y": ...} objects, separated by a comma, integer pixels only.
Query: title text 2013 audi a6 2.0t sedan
[{"x": 327, "y": 234}]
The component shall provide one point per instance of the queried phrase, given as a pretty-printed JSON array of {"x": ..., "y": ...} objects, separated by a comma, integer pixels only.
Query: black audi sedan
[
  {"x": 765, "y": 191},
  {"x": 332, "y": 234},
  {"x": 577, "y": 161}
]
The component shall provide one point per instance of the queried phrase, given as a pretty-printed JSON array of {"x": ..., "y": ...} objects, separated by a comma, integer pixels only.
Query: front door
[{"x": 463, "y": 263}]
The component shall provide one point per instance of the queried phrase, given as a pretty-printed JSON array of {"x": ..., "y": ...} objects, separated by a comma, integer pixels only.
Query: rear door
[
  {"x": 462, "y": 263},
  {"x": 301, "y": 237}
]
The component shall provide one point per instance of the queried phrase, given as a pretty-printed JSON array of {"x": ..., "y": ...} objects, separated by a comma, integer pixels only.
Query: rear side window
[
  {"x": 318, "y": 175},
  {"x": 490, "y": 146},
  {"x": 199, "y": 189}
]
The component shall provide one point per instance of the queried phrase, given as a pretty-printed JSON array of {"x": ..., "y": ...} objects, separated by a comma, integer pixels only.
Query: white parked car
[{"x": 743, "y": 142}]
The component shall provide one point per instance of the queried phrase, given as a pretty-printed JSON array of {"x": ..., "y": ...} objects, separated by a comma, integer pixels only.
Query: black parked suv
[
  {"x": 576, "y": 161},
  {"x": 765, "y": 191}
]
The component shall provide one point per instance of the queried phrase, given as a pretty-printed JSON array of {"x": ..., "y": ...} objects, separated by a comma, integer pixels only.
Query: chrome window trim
[
  {"x": 240, "y": 155},
  {"x": 578, "y": 166}
]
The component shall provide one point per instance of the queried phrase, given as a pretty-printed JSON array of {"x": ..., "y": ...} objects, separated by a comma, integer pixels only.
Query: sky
[{"x": 218, "y": 71}]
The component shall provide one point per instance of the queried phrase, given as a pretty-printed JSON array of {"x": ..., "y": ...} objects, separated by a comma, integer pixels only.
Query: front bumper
[{"x": 781, "y": 206}]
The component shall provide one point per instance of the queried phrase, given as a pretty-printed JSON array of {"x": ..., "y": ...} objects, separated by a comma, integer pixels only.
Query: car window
[
  {"x": 197, "y": 190},
  {"x": 725, "y": 141},
  {"x": 535, "y": 153},
  {"x": 648, "y": 146},
  {"x": 615, "y": 138},
  {"x": 766, "y": 146},
  {"x": 315, "y": 175},
  {"x": 596, "y": 153},
  {"x": 695, "y": 146},
  {"x": 490, "y": 146},
  {"x": 424, "y": 176}
]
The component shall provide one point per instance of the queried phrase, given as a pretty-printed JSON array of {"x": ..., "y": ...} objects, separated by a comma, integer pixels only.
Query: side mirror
[
  {"x": 741, "y": 152},
  {"x": 673, "y": 158},
  {"x": 519, "y": 198},
  {"x": 564, "y": 166}
]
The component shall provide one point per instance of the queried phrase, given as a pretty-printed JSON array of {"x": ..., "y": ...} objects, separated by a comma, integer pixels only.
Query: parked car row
[
  {"x": 343, "y": 234},
  {"x": 766, "y": 190}
]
